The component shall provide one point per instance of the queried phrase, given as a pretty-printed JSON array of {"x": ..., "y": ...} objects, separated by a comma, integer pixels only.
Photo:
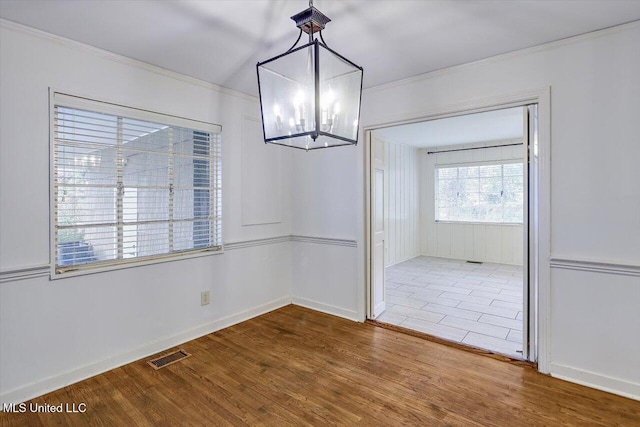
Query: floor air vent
[
  {"x": 474, "y": 262},
  {"x": 168, "y": 359}
]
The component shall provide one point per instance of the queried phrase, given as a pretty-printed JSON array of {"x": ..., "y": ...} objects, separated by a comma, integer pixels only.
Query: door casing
[{"x": 539, "y": 233}]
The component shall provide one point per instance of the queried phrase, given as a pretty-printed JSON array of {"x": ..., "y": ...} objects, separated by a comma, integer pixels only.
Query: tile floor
[{"x": 475, "y": 304}]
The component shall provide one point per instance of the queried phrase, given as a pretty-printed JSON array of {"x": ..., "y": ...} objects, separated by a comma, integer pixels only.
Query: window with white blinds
[
  {"x": 480, "y": 193},
  {"x": 131, "y": 185}
]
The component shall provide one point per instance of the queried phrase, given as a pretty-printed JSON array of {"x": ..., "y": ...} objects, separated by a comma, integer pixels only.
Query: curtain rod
[{"x": 473, "y": 148}]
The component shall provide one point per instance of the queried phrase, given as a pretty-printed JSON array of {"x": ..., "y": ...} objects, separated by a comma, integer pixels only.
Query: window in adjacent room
[
  {"x": 491, "y": 193},
  {"x": 131, "y": 185}
]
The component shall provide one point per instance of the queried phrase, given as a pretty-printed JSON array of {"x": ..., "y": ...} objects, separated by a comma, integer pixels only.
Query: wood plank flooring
[{"x": 295, "y": 366}]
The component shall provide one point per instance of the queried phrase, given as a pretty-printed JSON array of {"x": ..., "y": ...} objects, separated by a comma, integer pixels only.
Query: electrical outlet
[{"x": 205, "y": 298}]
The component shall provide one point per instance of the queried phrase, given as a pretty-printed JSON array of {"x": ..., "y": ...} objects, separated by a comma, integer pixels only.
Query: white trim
[
  {"x": 529, "y": 242},
  {"x": 256, "y": 242},
  {"x": 97, "y": 105},
  {"x": 592, "y": 266},
  {"x": 326, "y": 308},
  {"x": 52, "y": 190},
  {"x": 103, "y": 106},
  {"x": 85, "y": 48},
  {"x": 369, "y": 310},
  {"x": 597, "y": 381},
  {"x": 542, "y": 97},
  {"x": 135, "y": 262},
  {"x": 24, "y": 273},
  {"x": 72, "y": 44},
  {"x": 542, "y": 247},
  {"x": 35, "y": 271},
  {"x": 403, "y": 260},
  {"x": 479, "y": 105},
  {"x": 324, "y": 241},
  {"x": 505, "y": 56},
  {"x": 56, "y": 382},
  {"x": 501, "y": 224},
  {"x": 290, "y": 238}
]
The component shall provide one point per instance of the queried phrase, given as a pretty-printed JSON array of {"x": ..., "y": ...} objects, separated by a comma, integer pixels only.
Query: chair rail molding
[
  {"x": 324, "y": 241},
  {"x": 35, "y": 271},
  {"x": 291, "y": 238},
  {"x": 12, "y": 275},
  {"x": 256, "y": 242},
  {"x": 595, "y": 266}
]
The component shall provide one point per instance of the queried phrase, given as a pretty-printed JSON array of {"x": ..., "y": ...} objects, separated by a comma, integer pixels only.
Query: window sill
[
  {"x": 512, "y": 224},
  {"x": 83, "y": 271}
]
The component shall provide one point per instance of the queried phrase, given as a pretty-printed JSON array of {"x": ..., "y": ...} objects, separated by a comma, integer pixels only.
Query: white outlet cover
[{"x": 204, "y": 298}]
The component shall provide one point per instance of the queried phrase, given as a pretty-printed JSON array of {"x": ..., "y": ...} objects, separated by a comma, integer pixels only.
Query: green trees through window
[{"x": 480, "y": 193}]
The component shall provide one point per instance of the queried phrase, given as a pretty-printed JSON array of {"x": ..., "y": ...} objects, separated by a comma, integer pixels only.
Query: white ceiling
[
  {"x": 221, "y": 41},
  {"x": 479, "y": 127}
]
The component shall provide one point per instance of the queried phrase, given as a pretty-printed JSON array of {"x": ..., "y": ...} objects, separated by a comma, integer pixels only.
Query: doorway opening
[{"x": 450, "y": 242}]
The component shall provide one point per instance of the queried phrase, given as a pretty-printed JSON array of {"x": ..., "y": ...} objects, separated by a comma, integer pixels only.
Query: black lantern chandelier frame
[{"x": 321, "y": 128}]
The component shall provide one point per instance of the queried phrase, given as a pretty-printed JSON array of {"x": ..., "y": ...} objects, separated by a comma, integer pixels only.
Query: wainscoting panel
[
  {"x": 402, "y": 210},
  {"x": 596, "y": 343}
]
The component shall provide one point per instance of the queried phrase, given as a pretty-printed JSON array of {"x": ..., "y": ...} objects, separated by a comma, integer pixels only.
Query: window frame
[
  {"x": 500, "y": 163},
  {"x": 59, "y": 98}
]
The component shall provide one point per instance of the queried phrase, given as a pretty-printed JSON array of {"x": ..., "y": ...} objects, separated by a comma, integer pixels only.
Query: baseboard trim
[
  {"x": 471, "y": 259},
  {"x": 597, "y": 381},
  {"x": 403, "y": 260},
  {"x": 326, "y": 308},
  {"x": 56, "y": 382}
]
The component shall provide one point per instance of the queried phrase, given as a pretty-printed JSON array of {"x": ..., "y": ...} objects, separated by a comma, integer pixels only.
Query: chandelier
[{"x": 310, "y": 95}]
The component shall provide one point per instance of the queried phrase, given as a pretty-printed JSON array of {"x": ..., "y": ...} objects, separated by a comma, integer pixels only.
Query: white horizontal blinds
[
  {"x": 128, "y": 189},
  {"x": 197, "y": 179},
  {"x": 480, "y": 193}
]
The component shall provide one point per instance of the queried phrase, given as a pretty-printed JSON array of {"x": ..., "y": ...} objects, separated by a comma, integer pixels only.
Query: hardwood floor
[{"x": 295, "y": 366}]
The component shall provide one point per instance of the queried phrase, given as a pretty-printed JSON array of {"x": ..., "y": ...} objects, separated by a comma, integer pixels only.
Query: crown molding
[
  {"x": 503, "y": 57},
  {"x": 105, "y": 54}
]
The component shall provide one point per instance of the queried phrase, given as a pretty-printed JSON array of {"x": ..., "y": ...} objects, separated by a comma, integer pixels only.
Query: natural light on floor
[{"x": 475, "y": 304}]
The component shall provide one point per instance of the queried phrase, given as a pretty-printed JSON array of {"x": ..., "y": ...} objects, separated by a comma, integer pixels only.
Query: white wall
[
  {"x": 501, "y": 243},
  {"x": 57, "y": 332},
  {"x": 82, "y": 325},
  {"x": 325, "y": 269},
  {"x": 401, "y": 206},
  {"x": 595, "y": 196}
]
